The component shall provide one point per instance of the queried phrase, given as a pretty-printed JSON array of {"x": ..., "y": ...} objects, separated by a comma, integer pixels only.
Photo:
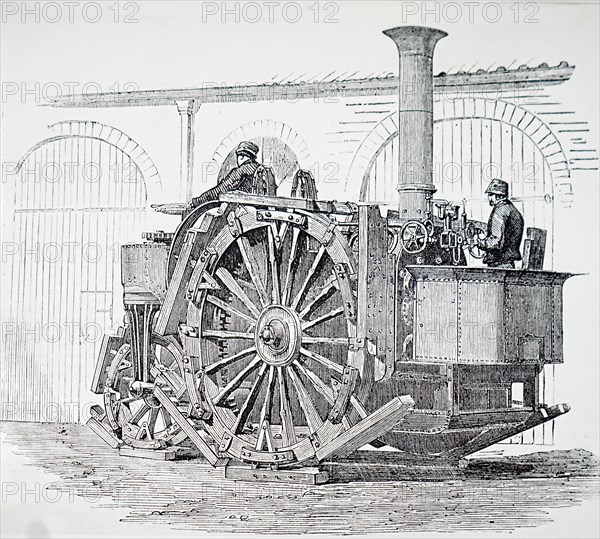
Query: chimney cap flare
[{"x": 415, "y": 39}]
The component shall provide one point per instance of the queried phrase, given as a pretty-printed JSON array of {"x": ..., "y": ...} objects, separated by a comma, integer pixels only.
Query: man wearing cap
[
  {"x": 504, "y": 230},
  {"x": 238, "y": 179}
]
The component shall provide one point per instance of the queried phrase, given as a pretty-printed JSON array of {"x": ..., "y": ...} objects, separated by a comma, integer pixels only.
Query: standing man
[
  {"x": 238, "y": 179},
  {"x": 504, "y": 230}
]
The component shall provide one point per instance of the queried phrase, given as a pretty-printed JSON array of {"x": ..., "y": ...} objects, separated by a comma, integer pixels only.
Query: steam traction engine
[{"x": 282, "y": 331}]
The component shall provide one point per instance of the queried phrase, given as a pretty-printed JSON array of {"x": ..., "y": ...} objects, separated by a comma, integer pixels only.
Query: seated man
[
  {"x": 238, "y": 179},
  {"x": 504, "y": 230}
]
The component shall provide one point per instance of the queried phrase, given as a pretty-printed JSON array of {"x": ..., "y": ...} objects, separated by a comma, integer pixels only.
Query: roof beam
[{"x": 500, "y": 79}]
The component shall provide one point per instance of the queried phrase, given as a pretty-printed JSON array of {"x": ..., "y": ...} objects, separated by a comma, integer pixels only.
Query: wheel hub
[
  {"x": 278, "y": 335},
  {"x": 144, "y": 390}
]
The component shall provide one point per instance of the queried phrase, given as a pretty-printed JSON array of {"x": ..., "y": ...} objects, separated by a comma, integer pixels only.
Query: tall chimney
[{"x": 415, "y": 156}]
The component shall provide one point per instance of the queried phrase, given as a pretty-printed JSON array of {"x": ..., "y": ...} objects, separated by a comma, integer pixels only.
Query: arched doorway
[{"x": 77, "y": 198}]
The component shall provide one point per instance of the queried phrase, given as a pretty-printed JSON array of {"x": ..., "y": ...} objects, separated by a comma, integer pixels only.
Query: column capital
[{"x": 187, "y": 106}]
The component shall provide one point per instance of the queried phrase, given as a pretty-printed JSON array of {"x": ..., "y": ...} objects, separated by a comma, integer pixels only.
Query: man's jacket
[
  {"x": 238, "y": 179},
  {"x": 504, "y": 234}
]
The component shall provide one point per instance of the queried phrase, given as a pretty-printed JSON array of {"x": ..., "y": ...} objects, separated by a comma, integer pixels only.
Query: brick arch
[
  {"x": 472, "y": 109},
  {"x": 262, "y": 128},
  {"x": 373, "y": 144},
  {"x": 111, "y": 135}
]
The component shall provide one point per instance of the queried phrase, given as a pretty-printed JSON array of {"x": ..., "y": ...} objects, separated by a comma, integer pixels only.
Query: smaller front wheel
[{"x": 132, "y": 410}]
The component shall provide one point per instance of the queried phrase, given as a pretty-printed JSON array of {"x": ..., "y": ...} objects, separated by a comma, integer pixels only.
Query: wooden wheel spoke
[
  {"x": 283, "y": 228},
  {"x": 224, "y": 334},
  {"x": 326, "y": 391},
  {"x": 322, "y": 388},
  {"x": 245, "y": 284},
  {"x": 228, "y": 280},
  {"x": 165, "y": 417},
  {"x": 291, "y": 266},
  {"x": 362, "y": 412},
  {"x": 323, "y": 318},
  {"x": 237, "y": 380},
  {"x": 308, "y": 278},
  {"x": 264, "y": 423},
  {"x": 123, "y": 415},
  {"x": 265, "y": 434},
  {"x": 265, "y": 412},
  {"x": 308, "y": 407},
  {"x": 340, "y": 341},
  {"x": 226, "y": 307},
  {"x": 225, "y": 362},
  {"x": 152, "y": 421},
  {"x": 250, "y": 400},
  {"x": 288, "y": 433},
  {"x": 326, "y": 292},
  {"x": 140, "y": 413},
  {"x": 275, "y": 284},
  {"x": 279, "y": 233},
  {"x": 331, "y": 365},
  {"x": 253, "y": 268}
]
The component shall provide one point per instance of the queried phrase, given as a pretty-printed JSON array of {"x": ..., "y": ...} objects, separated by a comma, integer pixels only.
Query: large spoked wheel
[
  {"x": 277, "y": 336},
  {"x": 134, "y": 414}
]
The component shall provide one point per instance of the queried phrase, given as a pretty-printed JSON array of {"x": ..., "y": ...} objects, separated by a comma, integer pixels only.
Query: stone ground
[{"x": 62, "y": 481}]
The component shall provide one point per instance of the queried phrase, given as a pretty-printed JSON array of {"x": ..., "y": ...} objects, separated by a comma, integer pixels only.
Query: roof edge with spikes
[{"x": 482, "y": 80}]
